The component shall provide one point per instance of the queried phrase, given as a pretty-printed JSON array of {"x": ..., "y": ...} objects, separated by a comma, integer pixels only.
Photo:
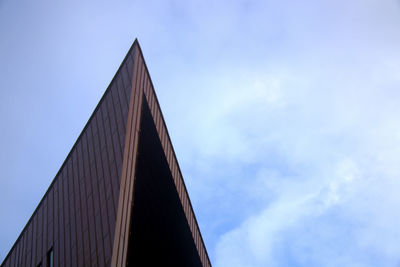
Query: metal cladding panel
[
  {"x": 128, "y": 167},
  {"x": 76, "y": 217},
  {"x": 174, "y": 168}
]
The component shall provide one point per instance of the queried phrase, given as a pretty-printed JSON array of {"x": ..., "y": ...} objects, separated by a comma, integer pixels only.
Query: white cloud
[
  {"x": 309, "y": 144},
  {"x": 284, "y": 117}
]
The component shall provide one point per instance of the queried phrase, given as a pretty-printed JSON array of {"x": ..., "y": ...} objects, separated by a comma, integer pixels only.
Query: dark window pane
[{"x": 50, "y": 257}]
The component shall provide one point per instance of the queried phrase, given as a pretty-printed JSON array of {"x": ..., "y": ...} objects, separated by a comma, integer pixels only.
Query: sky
[{"x": 284, "y": 116}]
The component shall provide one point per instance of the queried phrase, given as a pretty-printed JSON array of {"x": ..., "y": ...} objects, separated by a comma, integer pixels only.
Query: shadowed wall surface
[{"x": 160, "y": 234}]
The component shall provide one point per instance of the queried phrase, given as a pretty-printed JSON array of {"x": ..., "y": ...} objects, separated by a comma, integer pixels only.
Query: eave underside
[{"x": 143, "y": 90}]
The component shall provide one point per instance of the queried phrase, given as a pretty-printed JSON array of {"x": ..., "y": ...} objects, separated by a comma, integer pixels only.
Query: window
[{"x": 50, "y": 257}]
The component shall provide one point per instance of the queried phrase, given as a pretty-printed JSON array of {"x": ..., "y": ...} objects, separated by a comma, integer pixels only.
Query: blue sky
[{"x": 284, "y": 116}]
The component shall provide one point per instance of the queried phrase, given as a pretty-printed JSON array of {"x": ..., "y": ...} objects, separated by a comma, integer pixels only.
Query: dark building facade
[{"x": 119, "y": 198}]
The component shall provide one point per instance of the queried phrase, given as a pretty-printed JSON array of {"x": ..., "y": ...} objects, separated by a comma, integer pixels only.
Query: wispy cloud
[
  {"x": 284, "y": 114},
  {"x": 301, "y": 151}
]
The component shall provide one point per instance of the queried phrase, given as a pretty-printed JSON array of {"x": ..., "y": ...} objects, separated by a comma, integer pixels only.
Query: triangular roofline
[{"x": 141, "y": 90}]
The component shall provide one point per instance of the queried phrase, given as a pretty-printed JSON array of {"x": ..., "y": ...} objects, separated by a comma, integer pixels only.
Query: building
[{"x": 119, "y": 198}]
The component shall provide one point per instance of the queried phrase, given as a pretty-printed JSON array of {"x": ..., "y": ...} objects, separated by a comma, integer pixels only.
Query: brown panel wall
[
  {"x": 120, "y": 245},
  {"x": 76, "y": 217},
  {"x": 85, "y": 214},
  {"x": 174, "y": 166}
]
